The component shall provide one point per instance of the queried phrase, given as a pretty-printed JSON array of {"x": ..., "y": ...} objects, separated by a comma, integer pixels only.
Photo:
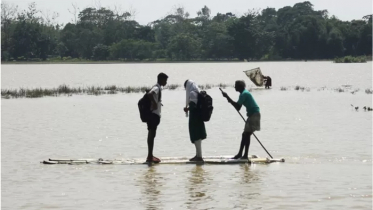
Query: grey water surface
[{"x": 326, "y": 143}]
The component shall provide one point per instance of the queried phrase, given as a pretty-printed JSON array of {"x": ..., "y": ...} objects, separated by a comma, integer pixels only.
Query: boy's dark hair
[
  {"x": 162, "y": 76},
  {"x": 185, "y": 83}
]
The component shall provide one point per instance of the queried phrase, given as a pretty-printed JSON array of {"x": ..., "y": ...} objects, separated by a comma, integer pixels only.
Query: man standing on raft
[{"x": 253, "y": 114}]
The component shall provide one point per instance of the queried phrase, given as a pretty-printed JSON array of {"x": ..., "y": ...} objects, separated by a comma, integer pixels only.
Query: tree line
[{"x": 291, "y": 32}]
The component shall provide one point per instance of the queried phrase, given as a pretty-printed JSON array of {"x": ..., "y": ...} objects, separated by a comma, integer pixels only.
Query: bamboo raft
[{"x": 165, "y": 160}]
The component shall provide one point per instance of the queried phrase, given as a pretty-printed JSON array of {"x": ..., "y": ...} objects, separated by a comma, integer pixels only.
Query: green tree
[
  {"x": 70, "y": 40},
  {"x": 100, "y": 52},
  {"x": 216, "y": 42},
  {"x": 61, "y": 49},
  {"x": 295, "y": 32},
  {"x": 184, "y": 47},
  {"x": 364, "y": 46},
  {"x": 249, "y": 39},
  {"x": 8, "y": 18},
  {"x": 130, "y": 49}
]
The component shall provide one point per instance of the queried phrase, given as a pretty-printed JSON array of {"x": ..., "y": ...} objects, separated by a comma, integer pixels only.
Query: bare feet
[
  {"x": 244, "y": 157},
  {"x": 238, "y": 156},
  {"x": 153, "y": 160},
  {"x": 196, "y": 159},
  {"x": 192, "y": 159}
]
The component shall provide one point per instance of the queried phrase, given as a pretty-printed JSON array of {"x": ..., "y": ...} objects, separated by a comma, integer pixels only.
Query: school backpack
[
  {"x": 204, "y": 106},
  {"x": 144, "y": 105}
]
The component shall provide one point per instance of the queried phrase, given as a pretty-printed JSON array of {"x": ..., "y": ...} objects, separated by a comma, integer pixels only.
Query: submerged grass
[
  {"x": 368, "y": 91},
  {"x": 351, "y": 59},
  {"x": 209, "y": 86},
  {"x": 89, "y": 90},
  {"x": 173, "y": 86},
  {"x": 302, "y": 88},
  {"x": 113, "y": 89},
  {"x": 205, "y": 87},
  {"x": 221, "y": 85},
  {"x": 299, "y": 88},
  {"x": 339, "y": 90}
]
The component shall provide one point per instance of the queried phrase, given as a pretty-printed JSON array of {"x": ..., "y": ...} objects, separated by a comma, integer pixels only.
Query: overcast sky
[{"x": 150, "y": 10}]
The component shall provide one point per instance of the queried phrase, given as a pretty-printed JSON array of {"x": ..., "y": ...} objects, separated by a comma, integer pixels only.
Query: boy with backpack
[{"x": 150, "y": 112}]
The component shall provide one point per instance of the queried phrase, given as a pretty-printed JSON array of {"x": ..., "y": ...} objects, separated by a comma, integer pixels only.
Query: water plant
[
  {"x": 351, "y": 59},
  {"x": 369, "y": 91}
]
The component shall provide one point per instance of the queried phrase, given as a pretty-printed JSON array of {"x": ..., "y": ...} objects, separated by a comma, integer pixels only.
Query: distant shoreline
[
  {"x": 82, "y": 61},
  {"x": 144, "y": 62}
]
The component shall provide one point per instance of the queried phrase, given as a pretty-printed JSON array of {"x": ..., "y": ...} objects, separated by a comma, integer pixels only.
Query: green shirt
[{"x": 248, "y": 101}]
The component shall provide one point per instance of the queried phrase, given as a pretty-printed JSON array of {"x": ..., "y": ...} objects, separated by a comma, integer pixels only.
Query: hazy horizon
[{"x": 148, "y": 11}]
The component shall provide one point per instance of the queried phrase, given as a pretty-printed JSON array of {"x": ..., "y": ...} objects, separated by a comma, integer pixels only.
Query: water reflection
[
  {"x": 197, "y": 187},
  {"x": 151, "y": 183},
  {"x": 248, "y": 174},
  {"x": 249, "y": 187}
]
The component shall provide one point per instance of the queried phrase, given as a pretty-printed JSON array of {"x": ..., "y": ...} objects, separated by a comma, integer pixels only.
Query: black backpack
[
  {"x": 144, "y": 105},
  {"x": 204, "y": 105}
]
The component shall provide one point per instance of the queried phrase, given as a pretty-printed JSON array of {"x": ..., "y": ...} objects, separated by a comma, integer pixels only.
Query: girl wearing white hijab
[{"x": 197, "y": 130}]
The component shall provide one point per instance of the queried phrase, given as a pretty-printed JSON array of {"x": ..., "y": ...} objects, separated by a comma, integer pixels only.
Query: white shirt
[{"x": 156, "y": 90}]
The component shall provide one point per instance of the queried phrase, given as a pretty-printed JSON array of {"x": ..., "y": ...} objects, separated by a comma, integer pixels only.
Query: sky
[{"x": 147, "y": 11}]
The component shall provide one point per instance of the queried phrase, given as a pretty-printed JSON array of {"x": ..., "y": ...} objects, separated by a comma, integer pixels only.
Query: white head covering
[{"x": 192, "y": 91}]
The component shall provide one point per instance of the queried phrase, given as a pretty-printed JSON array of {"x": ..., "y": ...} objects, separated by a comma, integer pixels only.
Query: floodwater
[{"x": 326, "y": 143}]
